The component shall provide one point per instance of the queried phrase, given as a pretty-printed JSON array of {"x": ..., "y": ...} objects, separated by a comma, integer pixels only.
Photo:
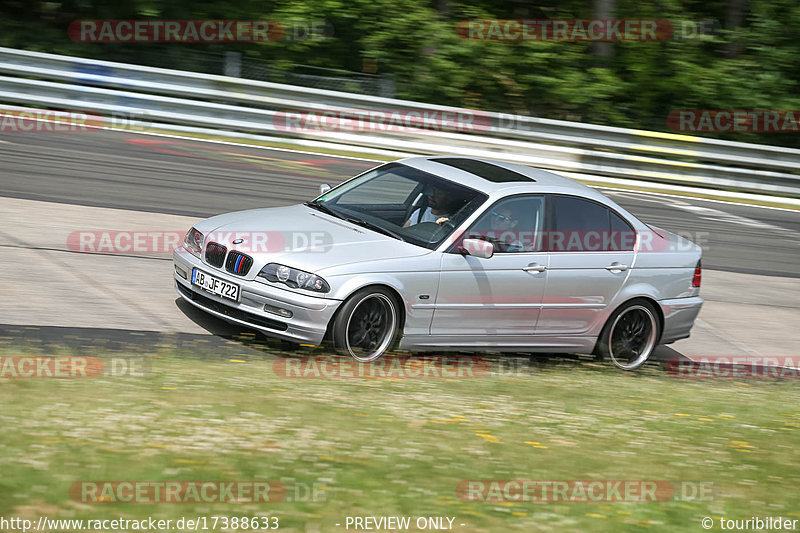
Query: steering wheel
[
  {"x": 423, "y": 230},
  {"x": 447, "y": 224},
  {"x": 423, "y": 227}
]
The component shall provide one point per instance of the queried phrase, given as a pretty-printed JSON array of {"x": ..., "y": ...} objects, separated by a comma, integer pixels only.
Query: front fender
[{"x": 412, "y": 287}]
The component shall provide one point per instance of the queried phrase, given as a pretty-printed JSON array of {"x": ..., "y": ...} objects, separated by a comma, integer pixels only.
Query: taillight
[{"x": 698, "y": 273}]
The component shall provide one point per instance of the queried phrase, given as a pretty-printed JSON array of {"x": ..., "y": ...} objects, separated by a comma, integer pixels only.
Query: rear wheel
[
  {"x": 630, "y": 335},
  {"x": 366, "y": 325}
]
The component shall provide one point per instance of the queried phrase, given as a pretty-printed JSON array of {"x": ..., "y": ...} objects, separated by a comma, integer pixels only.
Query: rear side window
[
  {"x": 623, "y": 238},
  {"x": 580, "y": 215},
  {"x": 581, "y": 225}
]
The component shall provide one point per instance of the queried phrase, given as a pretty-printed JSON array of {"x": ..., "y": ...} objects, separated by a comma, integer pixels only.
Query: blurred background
[{"x": 723, "y": 54}]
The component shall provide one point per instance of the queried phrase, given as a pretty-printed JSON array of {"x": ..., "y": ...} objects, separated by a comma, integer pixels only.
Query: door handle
[
  {"x": 535, "y": 267},
  {"x": 617, "y": 266}
]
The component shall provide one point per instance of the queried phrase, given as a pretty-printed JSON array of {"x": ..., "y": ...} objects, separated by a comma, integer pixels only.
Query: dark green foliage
[{"x": 415, "y": 41}]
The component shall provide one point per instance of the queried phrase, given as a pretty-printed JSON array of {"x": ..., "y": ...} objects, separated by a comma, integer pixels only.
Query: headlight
[
  {"x": 194, "y": 242},
  {"x": 296, "y": 279}
]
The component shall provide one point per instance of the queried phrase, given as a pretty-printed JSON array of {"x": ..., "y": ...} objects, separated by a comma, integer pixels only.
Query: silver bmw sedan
[{"x": 448, "y": 253}]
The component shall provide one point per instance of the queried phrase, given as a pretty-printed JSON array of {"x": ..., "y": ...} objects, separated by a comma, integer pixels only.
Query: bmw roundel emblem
[{"x": 238, "y": 241}]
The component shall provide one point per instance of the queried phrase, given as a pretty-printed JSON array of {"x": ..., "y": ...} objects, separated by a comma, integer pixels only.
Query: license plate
[{"x": 215, "y": 285}]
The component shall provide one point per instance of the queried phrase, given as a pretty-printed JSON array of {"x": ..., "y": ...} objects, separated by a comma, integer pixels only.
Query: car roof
[{"x": 492, "y": 177}]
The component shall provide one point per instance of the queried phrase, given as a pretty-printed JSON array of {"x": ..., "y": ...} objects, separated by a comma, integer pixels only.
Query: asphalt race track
[
  {"x": 750, "y": 254},
  {"x": 164, "y": 175}
]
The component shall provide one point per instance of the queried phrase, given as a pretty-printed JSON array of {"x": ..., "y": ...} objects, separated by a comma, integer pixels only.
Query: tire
[
  {"x": 630, "y": 335},
  {"x": 367, "y": 324}
]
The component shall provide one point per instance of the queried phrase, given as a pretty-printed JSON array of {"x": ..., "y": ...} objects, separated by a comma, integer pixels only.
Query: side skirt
[{"x": 461, "y": 343}]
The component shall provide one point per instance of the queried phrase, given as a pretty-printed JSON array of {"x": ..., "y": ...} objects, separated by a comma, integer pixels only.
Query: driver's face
[
  {"x": 501, "y": 219},
  {"x": 438, "y": 199}
]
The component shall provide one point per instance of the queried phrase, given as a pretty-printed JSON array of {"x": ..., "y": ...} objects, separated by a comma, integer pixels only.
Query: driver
[
  {"x": 441, "y": 206},
  {"x": 503, "y": 221}
]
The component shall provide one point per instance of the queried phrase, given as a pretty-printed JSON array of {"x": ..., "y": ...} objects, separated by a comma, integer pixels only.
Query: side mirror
[
  {"x": 477, "y": 248},
  {"x": 324, "y": 188}
]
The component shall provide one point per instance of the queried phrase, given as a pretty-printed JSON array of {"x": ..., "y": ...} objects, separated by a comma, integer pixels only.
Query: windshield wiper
[
  {"x": 324, "y": 208},
  {"x": 375, "y": 227}
]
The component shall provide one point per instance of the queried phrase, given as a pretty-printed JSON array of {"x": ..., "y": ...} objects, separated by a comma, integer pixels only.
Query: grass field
[{"x": 398, "y": 446}]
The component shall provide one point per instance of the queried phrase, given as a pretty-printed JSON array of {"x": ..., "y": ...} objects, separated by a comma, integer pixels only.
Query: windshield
[{"x": 404, "y": 203}]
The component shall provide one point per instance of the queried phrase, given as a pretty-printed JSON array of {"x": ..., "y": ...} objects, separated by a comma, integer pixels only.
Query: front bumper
[
  {"x": 310, "y": 314},
  {"x": 679, "y": 317}
]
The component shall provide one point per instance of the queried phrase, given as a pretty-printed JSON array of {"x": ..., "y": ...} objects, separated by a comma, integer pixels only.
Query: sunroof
[{"x": 483, "y": 169}]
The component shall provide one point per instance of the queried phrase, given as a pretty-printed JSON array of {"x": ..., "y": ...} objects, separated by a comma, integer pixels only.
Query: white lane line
[
  {"x": 635, "y": 194},
  {"x": 659, "y": 199},
  {"x": 729, "y": 218},
  {"x": 708, "y": 213}
]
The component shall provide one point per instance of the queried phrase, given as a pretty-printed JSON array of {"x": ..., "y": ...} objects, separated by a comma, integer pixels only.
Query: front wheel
[
  {"x": 630, "y": 335},
  {"x": 366, "y": 324}
]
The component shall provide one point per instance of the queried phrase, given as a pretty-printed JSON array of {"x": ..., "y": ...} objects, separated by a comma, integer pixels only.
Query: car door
[
  {"x": 590, "y": 256},
  {"x": 501, "y": 295}
]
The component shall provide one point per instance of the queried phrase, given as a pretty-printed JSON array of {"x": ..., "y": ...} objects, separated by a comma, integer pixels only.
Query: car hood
[{"x": 301, "y": 237}]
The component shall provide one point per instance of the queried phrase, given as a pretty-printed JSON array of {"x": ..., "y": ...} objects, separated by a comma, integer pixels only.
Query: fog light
[
  {"x": 285, "y": 313},
  {"x": 181, "y": 272}
]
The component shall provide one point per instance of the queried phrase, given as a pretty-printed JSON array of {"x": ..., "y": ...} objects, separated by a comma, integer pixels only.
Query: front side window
[
  {"x": 512, "y": 225},
  {"x": 403, "y": 202}
]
